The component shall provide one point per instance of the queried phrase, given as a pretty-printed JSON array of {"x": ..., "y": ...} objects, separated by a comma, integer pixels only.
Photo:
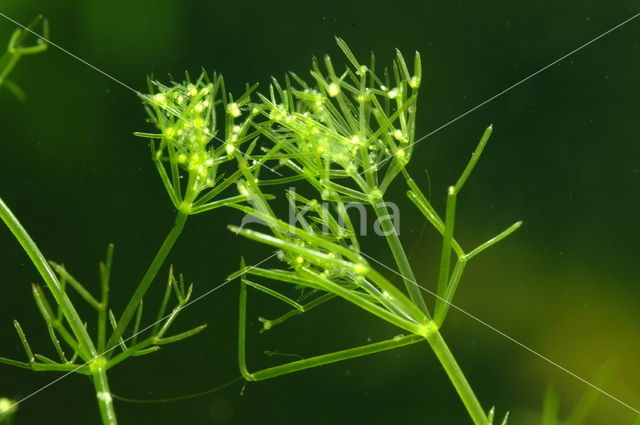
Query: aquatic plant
[{"x": 348, "y": 136}]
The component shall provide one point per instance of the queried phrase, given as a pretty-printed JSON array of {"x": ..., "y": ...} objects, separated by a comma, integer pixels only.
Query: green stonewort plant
[{"x": 348, "y": 136}]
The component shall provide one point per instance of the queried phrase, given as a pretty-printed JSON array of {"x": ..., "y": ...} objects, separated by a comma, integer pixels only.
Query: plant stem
[
  {"x": 272, "y": 372},
  {"x": 400, "y": 256},
  {"x": 458, "y": 379},
  {"x": 10, "y": 64},
  {"x": 148, "y": 278},
  {"x": 445, "y": 254},
  {"x": 86, "y": 346},
  {"x": 103, "y": 394}
]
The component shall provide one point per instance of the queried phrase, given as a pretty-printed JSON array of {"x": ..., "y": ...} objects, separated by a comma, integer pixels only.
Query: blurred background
[{"x": 564, "y": 158}]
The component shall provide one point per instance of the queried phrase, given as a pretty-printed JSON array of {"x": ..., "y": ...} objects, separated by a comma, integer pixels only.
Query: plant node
[{"x": 97, "y": 364}]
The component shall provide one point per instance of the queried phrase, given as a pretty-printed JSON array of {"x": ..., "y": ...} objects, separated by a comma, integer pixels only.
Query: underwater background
[{"x": 564, "y": 158}]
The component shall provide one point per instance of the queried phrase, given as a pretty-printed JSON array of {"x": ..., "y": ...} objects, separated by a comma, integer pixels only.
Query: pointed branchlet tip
[
  {"x": 243, "y": 266},
  {"x": 338, "y": 39},
  {"x": 487, "y": 132},
  {"x": 240, "y": 272},
  {"x": 417, "y": 63},
  {"x": 491, "y": 414},
  {"x": 506, "y": 418}
]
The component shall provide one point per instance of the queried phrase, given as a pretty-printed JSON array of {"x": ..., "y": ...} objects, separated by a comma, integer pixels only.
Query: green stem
[
  {"x": 458, "y": 379},
  {"x": 272, "y": 372},
  {"x": 334, "y": 357},
  {"x": 400, "y": 256},
  {"x": 103, "y": 395},
  {"x": 148, "y": 278},
  {"x": 450, "y": 291},
  {"x": 445, "y": 255},
  {"x": 103, "y": 311},
  {"x": 242, "y": 332},
  {"x": 10, "y": 64},
  {"x": 80, "y": 332}
]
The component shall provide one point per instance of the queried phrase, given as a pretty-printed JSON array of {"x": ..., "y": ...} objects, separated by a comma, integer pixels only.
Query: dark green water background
[{"x": 564, "y": 158}]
